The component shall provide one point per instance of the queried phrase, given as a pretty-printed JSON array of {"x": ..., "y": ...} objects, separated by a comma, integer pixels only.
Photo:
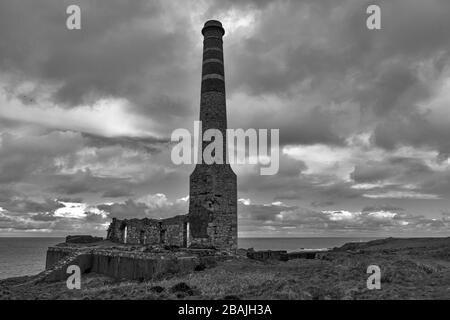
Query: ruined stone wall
[
  {"x": 173, "y": 231},
  {"x": 138, "y": 231},
  {"x": 132, "y": 265},
  {"x": 170, "y": 231},
  {"x": 115, "y": 233},
  {"x": 145, "y": 231}
]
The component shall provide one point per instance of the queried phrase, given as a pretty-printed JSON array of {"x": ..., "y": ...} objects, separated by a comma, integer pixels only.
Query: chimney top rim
[{"x": 213, "y": 24}]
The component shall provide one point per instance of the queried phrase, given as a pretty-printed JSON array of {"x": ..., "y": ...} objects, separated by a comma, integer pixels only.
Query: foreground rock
[{"x": 82, "y": 239}]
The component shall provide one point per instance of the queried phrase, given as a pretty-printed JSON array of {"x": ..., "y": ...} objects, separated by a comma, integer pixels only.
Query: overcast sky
[{"x": 364, "y": 116}]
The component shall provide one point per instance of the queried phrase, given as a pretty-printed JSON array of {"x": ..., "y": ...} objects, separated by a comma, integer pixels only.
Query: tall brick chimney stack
[
  {"x": 213, "y": 113},
  {"x": 213, "y": 188}
]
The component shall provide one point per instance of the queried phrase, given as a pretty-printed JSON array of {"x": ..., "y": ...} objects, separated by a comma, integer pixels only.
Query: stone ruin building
[{"x": 212, "y": 218}]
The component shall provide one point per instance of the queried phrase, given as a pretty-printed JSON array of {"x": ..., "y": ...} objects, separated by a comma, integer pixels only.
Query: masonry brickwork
[
  {"x": 212, "y": 218},
  {"x": 213, "y": 188},
  {"x": 170, "y": 232}
]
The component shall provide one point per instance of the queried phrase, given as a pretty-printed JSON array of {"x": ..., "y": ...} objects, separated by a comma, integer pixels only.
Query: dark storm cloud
[
  {"x": 292, "y": 61},
  {"x": 372, "y": 172},
  {"x": 84, "y": 62},
  {"x": 29, "y": 206},
  {"x": 92, "y": 217},
  {"x": 7, "y": 124},
  {"x": 73, "y": 200},
  {"x": 21, "y": 156},
  {"x": 319, "y": 204},
  {"x": 400, "y": 168},
  {"x": 397, "y": 87},
  {"x": 128, "y": 209},
  {"x": 446, "y": 216},
  {"x": 378, "y": 70},
  {"x": 261, "y": 212},
  {"x": 411, "y": 177},
  {"x": 7, "y": 194},
  {"x": 157, "y": 206},
  {"x": 416, "y": 130},
  {"x": 83, "y": 181},
  {"x": 288, "y": 195},
  {"x": 292, "y": 183},
  {"x": 125, "y": 51},
  {"x": 24, "y": 225},
  {"x": 414, "y": 33},
  {"x": 149, "y": 144},
  {"x": 310, "y": 68},
  {"x": 402, "y": 177},
  {"x": 44, "y": 160},
  {"x": 117, "y": 192},
  {"x": 279, "y": 217},
  {"x": 315, "y": 126},
  {"x": 21, "y": 213},
  {"x": 411, "y": 165},
  {"x": 438, "y": 183},
  {"x": 44, "y": 217},
  {"x": 382, "y": 208},
  {"x": 4, "y": 219},
  {"x": 217, "y": 7},
  {"x": 290, "y": 167},
  {"x": 57, "y": 225},
  {"x": 306, "y": 187}
]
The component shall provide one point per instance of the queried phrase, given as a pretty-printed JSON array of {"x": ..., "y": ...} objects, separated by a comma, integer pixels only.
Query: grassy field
[{"x": 407, "y": 272}]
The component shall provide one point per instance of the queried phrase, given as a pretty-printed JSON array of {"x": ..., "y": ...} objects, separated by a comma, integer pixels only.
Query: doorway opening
[
  {"x": 186, "y": 235},
  {"x": 142, "y": 237},
  {"x": 125, "y": 234}
]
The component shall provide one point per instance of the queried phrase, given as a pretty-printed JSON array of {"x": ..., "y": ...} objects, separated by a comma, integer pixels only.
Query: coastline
[
  {"x": 26, "y": 256},
  {"x": 412, "y": 268}
]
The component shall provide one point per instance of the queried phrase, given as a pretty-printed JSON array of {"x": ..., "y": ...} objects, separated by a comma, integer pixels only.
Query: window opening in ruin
[
  {"x": 162, "y": 236},
  {"x": 185, "y": 234},
  {"x": 142, "y": 237},
  {"x": 125, "y": 234},
  {"x": 188, "y": 235}
]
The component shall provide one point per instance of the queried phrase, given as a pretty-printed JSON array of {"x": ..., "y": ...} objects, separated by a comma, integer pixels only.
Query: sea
[{"x": 26, "y": 256}]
